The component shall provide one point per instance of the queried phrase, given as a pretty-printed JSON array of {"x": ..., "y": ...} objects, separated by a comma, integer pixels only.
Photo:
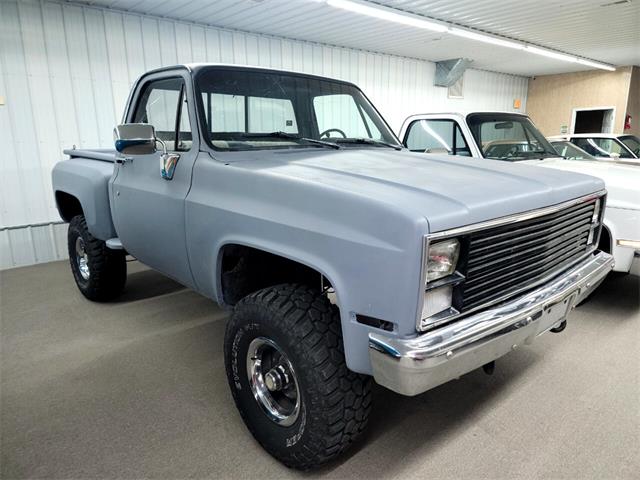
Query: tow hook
[
  {"x": 489, "y": 367},
  {"x": 560, "y": 327}
]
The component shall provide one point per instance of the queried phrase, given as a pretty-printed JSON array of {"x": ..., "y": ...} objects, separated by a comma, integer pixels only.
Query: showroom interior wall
[
  {"x": 65, "y": 73},
  {"x": 552, "y": 98}
]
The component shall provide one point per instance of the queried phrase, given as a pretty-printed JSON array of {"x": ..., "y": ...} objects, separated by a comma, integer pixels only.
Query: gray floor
[{"x": 137, "y": 389}]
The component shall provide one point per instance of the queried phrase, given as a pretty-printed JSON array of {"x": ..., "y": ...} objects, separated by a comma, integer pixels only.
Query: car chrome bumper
[{"x": 413, "y": 365}]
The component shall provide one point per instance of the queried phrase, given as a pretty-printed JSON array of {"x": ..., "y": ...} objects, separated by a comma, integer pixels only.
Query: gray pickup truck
[{"x": 343, "y": 256}]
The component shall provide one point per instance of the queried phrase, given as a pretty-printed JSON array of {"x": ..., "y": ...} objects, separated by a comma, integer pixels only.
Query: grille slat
[
  {"x": 566, "y": 225},
  {"x": 532, "y": 225},
  {"x": 510, "y": 258},
  {"x": 524, "y": 273},
  {"x": 509, "y": 254},
  {"x": 499, "y": 272}
]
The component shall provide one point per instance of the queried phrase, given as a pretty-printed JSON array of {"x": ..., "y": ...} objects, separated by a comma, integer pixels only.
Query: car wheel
[
  {"x": 100, "y": 273},
  {"x": 286, "y": 369}
]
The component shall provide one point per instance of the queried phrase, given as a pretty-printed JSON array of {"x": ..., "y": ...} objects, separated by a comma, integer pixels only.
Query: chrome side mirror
[{"x": 135, "y": 139}]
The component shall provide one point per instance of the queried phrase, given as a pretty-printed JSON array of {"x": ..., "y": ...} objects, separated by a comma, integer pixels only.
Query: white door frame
[{"x": 576, "y": 110}]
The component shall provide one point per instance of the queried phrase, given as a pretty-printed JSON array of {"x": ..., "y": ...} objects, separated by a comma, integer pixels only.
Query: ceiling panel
[{"x": 610, "y": 33}]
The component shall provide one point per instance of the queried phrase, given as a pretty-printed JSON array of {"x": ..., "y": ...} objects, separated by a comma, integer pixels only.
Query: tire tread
[
  {"x": 108, "y": 267},
  {"x": 342, "y": 398}
]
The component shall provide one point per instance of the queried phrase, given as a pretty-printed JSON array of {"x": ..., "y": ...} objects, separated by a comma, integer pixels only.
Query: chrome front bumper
[{"x": 413, "y": 365}]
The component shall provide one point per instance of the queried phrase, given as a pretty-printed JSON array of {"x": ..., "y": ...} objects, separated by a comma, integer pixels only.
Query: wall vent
[
  {"x": 457, "y": 89},
  {"x": 449, "y": 72}
]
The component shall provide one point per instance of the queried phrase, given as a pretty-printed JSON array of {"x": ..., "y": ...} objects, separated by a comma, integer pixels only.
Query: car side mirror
[{"x": 135, "y": 139}]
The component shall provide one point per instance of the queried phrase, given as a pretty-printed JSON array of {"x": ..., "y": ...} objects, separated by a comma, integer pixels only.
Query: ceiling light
[
  {"x": 550, "y": 54},
  {"x": 388, "y": 14},
  {"x": 601, "y": 66},
  {"x": 480, "y": 37},
  {"x": 419, "y": 21}
]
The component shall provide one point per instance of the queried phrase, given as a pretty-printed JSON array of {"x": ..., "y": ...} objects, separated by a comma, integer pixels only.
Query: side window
[
  {"x": 237, "y": 113},
  {"x": 589, "y": 147},
  {"x": 163, "y": 104},
  {"x": 341, "y": 115},
  {"x": 601, "y": 147},
  {"x": 436, "y": 136}
]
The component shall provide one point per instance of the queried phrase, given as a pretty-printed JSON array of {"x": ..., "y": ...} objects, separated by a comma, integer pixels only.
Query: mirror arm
[{"x": 164, "y": 145}]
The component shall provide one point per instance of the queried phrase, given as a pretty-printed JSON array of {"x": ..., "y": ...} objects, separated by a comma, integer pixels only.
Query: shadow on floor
[
  {"x": 145, "y": 284},
  {"x": 619, "y": 294}
]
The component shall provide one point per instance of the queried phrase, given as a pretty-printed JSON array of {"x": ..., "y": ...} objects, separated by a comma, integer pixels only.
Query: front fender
[
  {"x": 622, "y": 224},
  {"x": 348, "y": 295}
]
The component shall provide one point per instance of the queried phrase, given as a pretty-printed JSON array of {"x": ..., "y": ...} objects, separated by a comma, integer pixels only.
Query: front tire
[
  {"x": 285, "y": 366},
  {"x": 100, "y": 273}
]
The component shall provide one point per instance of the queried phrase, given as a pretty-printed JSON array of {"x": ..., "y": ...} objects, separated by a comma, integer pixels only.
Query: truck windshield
[
  {"x": 245, "y": 109},
  {"x": 503, "y": 136}
]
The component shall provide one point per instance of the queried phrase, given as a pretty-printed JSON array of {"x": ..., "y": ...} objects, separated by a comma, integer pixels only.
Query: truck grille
[{"x": 509, "y": 258}]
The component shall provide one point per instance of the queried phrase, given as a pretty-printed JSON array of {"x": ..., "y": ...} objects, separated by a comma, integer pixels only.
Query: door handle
[{"x": 120, "y": 160}]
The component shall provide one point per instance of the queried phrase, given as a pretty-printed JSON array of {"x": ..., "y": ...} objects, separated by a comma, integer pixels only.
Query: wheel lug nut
[{"x": 273, "y": 380}]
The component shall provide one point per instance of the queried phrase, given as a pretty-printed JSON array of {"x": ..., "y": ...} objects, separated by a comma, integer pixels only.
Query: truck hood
[
  {"x": 621, "y": 180},
  {"x": 448, "y": 191}
]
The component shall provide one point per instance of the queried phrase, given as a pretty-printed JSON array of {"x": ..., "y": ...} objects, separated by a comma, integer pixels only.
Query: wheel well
[
  {"x": 68, "y": 206},
  {"x": 245, "y": 270},
  {"x": 605, "y": 240}
]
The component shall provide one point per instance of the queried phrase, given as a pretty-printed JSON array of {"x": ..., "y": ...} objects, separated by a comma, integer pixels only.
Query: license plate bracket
[{"x": 557, "y": 312}]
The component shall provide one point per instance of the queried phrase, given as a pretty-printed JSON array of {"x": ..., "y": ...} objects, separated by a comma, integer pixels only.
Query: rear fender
[{"x": 88, "y": 181}]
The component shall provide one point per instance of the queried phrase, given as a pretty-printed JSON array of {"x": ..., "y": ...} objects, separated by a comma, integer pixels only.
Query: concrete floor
[{"x": 136, "y": 388}]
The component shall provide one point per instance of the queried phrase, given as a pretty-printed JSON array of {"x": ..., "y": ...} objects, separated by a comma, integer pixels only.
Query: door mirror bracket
[
  {"x": 168, "y": 163},
  {"x": 141, "y": 139}
]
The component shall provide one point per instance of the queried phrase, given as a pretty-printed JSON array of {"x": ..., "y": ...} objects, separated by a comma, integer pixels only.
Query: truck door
[{"x": 149, "y": 208}]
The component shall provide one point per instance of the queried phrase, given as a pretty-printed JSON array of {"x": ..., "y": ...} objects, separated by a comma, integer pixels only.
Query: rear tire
[
  {"x": 321, "y": 407},
  {"x": 100, "y": 273}
]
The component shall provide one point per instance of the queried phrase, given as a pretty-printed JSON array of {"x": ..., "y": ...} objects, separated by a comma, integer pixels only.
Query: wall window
[
  {"x": 339, "y": 116},
  {"x": 237, "y": 113},
  {"x": 163, "y": 104},
  {"x": 436, "y": 136}
]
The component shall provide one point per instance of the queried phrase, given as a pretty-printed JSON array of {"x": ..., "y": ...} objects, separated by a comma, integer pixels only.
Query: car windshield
[
  {"x": 632, "y": 142},
  {"x": 249, "y": 109},
  {"x": 570, "y": 151},
  {"x": 504, "y": 136}
]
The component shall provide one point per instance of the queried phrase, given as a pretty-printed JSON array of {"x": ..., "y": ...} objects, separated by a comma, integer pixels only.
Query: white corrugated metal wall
[{"x": 65, "y": 72}]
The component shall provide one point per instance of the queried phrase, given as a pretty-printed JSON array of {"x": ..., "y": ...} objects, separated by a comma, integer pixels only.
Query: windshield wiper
[
  {"x": 291, "y": 136},
  {"x": 368, "y": 141}
]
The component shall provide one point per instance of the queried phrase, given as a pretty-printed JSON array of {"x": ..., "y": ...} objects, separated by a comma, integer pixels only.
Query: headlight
[
  {"x": 436, "y": 300},
  {"x": 442, "y": 258}
]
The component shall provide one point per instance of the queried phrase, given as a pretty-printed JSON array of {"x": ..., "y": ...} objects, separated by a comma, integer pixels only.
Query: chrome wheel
[
  {"x": 82, "y": 259},
  {"x": 273, "y": 381}
]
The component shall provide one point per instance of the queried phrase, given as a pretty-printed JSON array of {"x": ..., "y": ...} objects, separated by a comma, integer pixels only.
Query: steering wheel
[
  {"x": 512, "y": 152},
  {"x": 329, "y": 130}
]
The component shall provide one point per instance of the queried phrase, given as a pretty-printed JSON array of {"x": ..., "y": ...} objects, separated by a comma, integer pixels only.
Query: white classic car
[
  {"x": 606, "y": 145},
  {"x": 514, "y": 138}
]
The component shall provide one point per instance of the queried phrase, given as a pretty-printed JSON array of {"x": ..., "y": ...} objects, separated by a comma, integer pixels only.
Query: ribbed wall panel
[{"x": 66, "y": 70}]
